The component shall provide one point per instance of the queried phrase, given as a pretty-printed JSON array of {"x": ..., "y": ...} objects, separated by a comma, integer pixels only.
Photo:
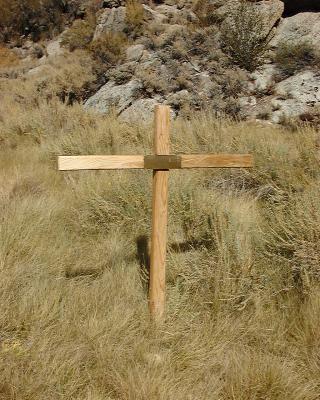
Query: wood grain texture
[
  {"x": 69, "y": 163},
  {"x": 216, "y": 161},
  {"x": 161, "y": 130},
  {"x": 159, "y": 217}
]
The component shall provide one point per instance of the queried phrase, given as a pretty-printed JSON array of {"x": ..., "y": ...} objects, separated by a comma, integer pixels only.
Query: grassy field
[{"x": 243, "y": 311}]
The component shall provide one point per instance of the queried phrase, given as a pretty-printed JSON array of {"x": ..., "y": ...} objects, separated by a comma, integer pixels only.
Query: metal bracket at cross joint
[{"x": 162, "y": 162}]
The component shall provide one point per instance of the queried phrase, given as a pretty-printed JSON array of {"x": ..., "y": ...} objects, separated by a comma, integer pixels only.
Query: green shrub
[
  {"x": 110, "y": 47},
  {"x": 292, "y": 57},
  {"x": 79, "y": 36},
  {"x": 244, "y": 36}
]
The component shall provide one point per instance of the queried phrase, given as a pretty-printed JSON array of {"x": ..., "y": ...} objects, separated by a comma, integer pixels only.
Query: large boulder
[
  {"x": 114, "y": 97},
  {"x": 271, "y": 11},
  {"x": 114, "y": 19},
  {"x": 142, "y": 110},
  {"x": 296, "y": 95},
  {"x": 175, "y": 13},
  {"x": 290, "y": 98},
  {"x": 135, "y": 52},
  {"x": 153, "y": 15},
  {"x": 304, "y": 86},
  {"x": 111, "y": 20},
  {"x": 303, "y": 27}
]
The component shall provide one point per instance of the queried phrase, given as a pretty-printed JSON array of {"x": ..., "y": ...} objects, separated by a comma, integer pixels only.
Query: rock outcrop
[
  {"x": 177, "y": 58},
  {"x": 303, "y": 27},
  {"x": 173, "y": 68},
  {"x": 115, "y": 97},
  {"x": 296, "y": 95},
  {"x": 111, "y": 20},
  {"x": 188, "y": 77}
]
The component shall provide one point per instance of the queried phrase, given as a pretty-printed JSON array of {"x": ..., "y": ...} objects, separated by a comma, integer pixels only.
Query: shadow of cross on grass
[{"x": 160, "y": 163}]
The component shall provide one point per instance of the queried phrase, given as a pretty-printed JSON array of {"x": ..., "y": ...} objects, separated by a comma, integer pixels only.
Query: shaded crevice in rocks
[{"x": 293, "y": 7}]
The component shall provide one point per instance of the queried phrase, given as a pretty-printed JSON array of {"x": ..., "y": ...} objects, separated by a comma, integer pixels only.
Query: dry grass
[
  {"x": 8, "y": 58},
  {"x": 243, "y": 267},
  {"x": 294, "y": 57},
  {"x": 134, "y": 16},
  {"x": 68, "y": 76}
]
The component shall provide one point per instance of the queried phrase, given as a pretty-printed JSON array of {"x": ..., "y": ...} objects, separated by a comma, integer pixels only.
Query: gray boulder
[
  {"x": 303, "y": 27},
  {"x": 272, "y": 11},
  {"x": 111, "y": 20},
  {"x": 153, "y": 15},
  {"x": 135, "y": 52},
  {"x": 262, "y": 80},
  {"x": 140, "y": 110},
  {"x": 54, "y": 48},
  {"x": 114, "y": 97},
  {"x": 296, "y": 95}
]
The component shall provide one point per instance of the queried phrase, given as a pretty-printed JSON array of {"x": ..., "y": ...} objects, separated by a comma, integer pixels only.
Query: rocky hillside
[{"x": 253, "y": 59}]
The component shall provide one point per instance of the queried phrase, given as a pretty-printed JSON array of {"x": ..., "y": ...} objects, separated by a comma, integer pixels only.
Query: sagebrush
[{"x": 245, "y": 37}]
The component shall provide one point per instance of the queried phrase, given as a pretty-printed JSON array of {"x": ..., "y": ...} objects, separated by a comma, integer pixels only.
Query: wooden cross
[{"x": 161, "y": 162}]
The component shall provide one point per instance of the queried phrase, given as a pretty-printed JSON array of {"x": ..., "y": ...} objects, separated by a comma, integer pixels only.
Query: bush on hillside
[
  {"x": 244, "y": 37},
  {"x": 109, "y": 48},
  {"x": 79, "y": 36},
  {"x": 134, "y": 16},
  {"x": 293, "y": 57},
  {"x": 36, "y": 17},
  {"x": 19, "y": 17}
]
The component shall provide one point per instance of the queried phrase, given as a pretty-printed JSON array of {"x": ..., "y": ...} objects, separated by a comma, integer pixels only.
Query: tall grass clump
[
  {"x": 110, "y": 47},
  {"x": 243, "y": 297},
  {"x": 79, "y": 36},
  {"x": 134, "y": 16},
  {"x": 294, "y": 57}
]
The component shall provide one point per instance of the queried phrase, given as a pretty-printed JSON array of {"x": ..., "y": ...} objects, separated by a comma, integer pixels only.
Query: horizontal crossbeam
[
  {"x": 217, "y": 161},
  {"x": 68, "y": 163},
  {"x": 183, "y": 161}
]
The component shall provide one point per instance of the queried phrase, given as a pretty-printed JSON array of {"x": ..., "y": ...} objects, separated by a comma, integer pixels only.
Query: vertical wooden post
[{"x": 159, "y": 216}]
